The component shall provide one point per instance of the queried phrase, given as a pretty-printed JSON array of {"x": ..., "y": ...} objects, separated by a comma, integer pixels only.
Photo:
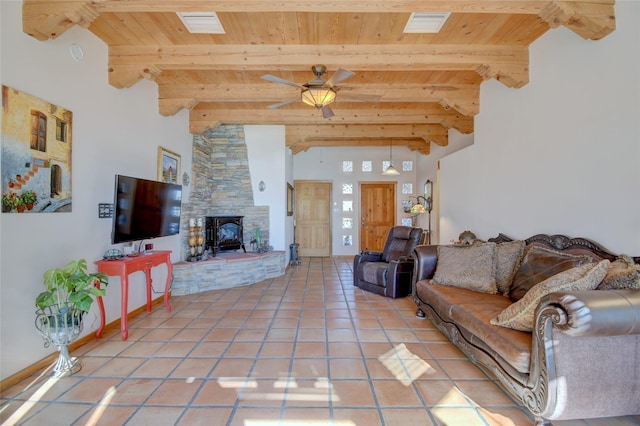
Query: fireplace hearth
[{"x": 223, "y": 233}]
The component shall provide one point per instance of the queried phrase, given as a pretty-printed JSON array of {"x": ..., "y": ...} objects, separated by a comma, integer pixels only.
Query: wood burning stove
[{"x": 223, "y": 233}]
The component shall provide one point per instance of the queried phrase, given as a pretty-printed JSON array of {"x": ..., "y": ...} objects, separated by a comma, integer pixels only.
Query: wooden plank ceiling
[{"x": 415, "y": 86}]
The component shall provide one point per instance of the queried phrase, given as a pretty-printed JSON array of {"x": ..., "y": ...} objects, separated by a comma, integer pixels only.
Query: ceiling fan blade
[
  {"x": 359, "y": 98},
  {"x": 275, "y": 79},
  {"x": 327, "y": 112},
  {"x": 283, "y": 103},
  {"x": 340, "y": 75}
]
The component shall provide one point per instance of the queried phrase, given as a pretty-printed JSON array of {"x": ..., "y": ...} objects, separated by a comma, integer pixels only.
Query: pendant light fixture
[{"x": 390, "y": 171}]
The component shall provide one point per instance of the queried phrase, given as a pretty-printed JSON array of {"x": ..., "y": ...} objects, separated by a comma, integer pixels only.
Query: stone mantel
[{"x": 226, "y": 270}]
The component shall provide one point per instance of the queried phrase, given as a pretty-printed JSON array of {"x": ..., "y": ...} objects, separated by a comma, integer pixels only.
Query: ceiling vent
[
  {"x": 426, "y": 22},
  {"x": 201, "y": 22}
]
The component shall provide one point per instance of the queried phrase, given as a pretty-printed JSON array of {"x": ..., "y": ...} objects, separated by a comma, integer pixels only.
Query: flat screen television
[{"x": 145, "y": 209}]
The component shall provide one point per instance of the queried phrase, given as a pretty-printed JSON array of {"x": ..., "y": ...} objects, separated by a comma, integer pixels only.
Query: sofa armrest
[
  {"x": 426, "y": 259},
  {"x": 370, "y": 256},
  {"x": 596, "y": 312},
  {"x": 584, "y": 345}
]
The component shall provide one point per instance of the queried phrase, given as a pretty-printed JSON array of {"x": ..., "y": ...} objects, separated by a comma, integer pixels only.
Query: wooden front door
[
  {"x": 378, "y": 213},
  {"x": 313, "y": 218}
]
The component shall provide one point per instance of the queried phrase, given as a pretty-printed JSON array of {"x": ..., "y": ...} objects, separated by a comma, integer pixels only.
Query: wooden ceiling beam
[
  {"x": 591, "y": 19},
  {"x": 527, "y": 7},
  {"x": 201, "y": 118},
  {"x": 414, "y": 144},
  {"x": 463, "y": 98},
  {"x": 427, "y": 132},
  {"x": 45, "y": 20},
  {"x": 509, "y": 62}
]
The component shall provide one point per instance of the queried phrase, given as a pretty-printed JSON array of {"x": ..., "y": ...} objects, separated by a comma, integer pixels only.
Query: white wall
[
  {"x": 114, "y": 131},
  {"x": 267, "y": 162},
  {"x": 325, "y": 164},
  {"x": 560, "y": 155}
]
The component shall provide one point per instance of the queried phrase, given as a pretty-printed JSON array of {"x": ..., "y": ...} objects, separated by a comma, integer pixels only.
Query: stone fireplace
[
  {"x": 221, "y": 184},
  {"x": 223, "y": 233}
]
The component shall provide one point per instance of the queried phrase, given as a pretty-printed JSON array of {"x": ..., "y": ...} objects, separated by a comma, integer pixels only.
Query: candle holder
[{"x": 196, "y": 239}]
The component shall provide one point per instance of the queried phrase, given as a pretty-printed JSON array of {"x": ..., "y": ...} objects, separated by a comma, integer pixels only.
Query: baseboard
[{"x": 51, "y": 359}]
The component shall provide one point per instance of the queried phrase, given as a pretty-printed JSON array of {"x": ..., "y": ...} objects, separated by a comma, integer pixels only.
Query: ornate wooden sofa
[{"x": 582, "y": 357}]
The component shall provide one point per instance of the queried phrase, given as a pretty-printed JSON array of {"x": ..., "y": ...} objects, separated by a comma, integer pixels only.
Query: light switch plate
[{"x": 105, "y": 210}]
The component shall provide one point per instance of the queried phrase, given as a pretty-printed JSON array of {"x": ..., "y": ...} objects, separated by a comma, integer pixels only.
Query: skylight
[
  {"x": 426, "y": 22},
  {"x": 201, "y": 22}
]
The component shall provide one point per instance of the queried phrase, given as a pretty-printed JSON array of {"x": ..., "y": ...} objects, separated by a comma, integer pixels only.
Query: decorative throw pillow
[
  {"x": 540, "y": 263},
  {"x": 623, "y": 273},
  {"x": 471, "y": 267},
  {"x": 508, "y": 256},
  {"x": 520, "y": 315}
]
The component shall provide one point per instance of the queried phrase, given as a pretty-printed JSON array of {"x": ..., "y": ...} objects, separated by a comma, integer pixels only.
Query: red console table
[{"x": 124, "y": 267}]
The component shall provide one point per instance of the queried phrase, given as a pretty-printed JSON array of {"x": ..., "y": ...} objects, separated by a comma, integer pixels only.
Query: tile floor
[{"x": 306, "y": 348}]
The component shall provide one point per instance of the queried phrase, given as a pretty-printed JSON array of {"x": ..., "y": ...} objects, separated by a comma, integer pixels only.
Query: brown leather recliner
[{"x": 388, "y": 272}]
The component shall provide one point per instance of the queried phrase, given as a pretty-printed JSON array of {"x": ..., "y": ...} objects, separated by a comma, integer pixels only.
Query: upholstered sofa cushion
[
  {"x": 520, "y": 315},
  {"x": 508, "y": 257},
  {"x": 472, "y": 267},
  {"x": 623, "y": 273},
  {"x": 538, "y": 264},
  {"x": 471, "y": 311}
]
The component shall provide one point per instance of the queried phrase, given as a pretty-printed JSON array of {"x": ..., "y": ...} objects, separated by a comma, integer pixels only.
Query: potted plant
[
  {"x": 18, "y": 204},
  {"x": 30, "y": 199},
  {"x": 8, "y": 201},
  {"x": 70, "y": 292},
  {"x": 71, "y": 288}
]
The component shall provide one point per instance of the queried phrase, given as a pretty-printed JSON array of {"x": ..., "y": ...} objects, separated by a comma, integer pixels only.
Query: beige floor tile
[
  {"x": 392, "y": 393},
  {"x": 407, "y": 417},
  {"x": 90, "y": 390},
  {"x": 134, "y": 391},
  {"x": 156, "y": 368},
  {"x": 457, "y": 416},
  {"x": 246, "y": 416},
  {"x": 142, "y": 349},
  {"x": 118, "y": 367},
  {"x": 175, "y": 349},
  {"x": 243, "y": 349},
  {"x": 58, "y": 414},
  {"x": 344, "y": 350},
  {"x": 219, "y": 392},
  {"x": 271, "y": 368},
  {"x": 310, "y": 350},
  {"x": 232, "y": 367},
  {"x": 205, "y": 416},
  {"x": 276, "y": 350},
  {"x": 356, "y": 417},
  {"x": 349, "y": 368},
  {"x": 352, "y": 393},
  {"x": 441, "y": 393},
  {"x": 156, "y": 416},
  {"x": 194, "y": 367},
  {"x": 309, "y": 368},
  {"x": 207, "y": 349},
  {"x": 174, "y": 392},
  {"x": 107, "y": 416}
]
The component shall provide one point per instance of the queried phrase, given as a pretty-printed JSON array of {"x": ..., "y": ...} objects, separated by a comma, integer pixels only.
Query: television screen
[{"x": 145, "y": 209}]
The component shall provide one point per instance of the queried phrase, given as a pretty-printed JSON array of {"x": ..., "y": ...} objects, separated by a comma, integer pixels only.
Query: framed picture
[
  {"x": 289, "y": 199},
  {"x": 168, "y": 166}
]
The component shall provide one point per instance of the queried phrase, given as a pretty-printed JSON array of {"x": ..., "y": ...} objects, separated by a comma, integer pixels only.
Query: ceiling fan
[{"x": 318, "y": 92}]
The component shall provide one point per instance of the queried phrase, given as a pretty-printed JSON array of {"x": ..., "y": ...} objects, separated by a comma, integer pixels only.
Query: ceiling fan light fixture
[{"x": 318, "y": 96}]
